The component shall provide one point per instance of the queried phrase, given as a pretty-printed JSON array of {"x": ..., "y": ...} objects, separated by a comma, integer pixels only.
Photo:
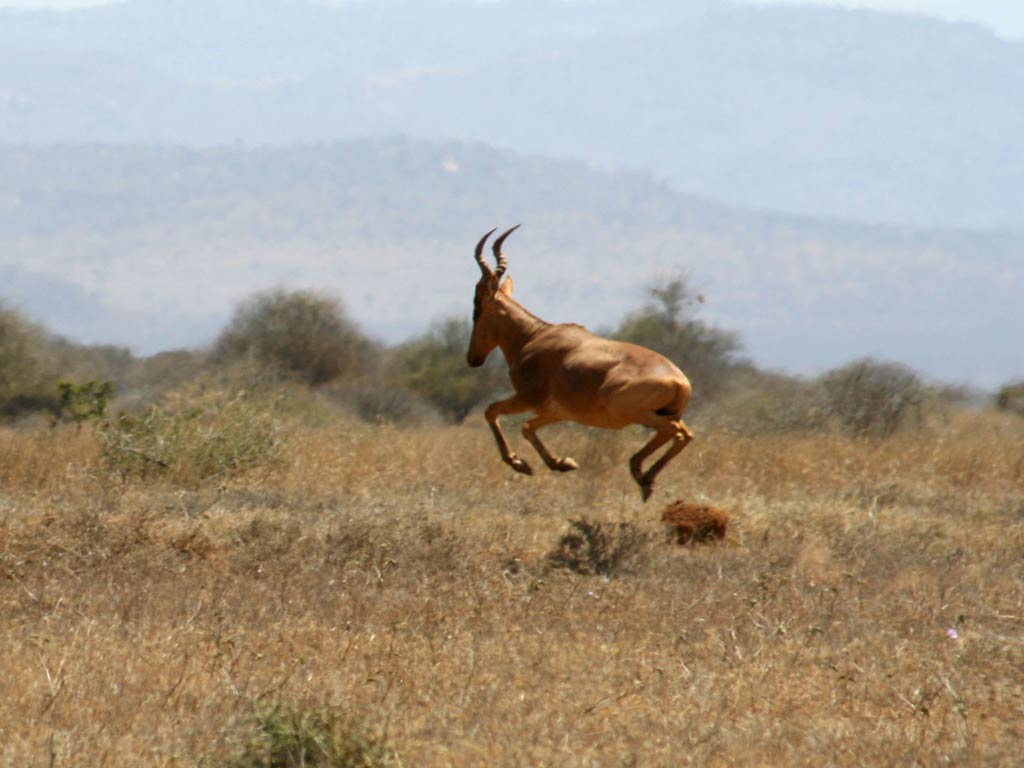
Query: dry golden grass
[{"x": 401, "y": 577}]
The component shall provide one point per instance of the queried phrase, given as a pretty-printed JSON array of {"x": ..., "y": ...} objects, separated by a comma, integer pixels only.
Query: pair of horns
[{"x": 496, "y": 248}]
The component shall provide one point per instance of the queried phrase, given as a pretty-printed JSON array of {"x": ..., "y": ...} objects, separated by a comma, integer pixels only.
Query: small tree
[
  {"x": 434, "y": 367},
  {"x": 302, "y": 333},
  {"x": 27, "y": 370},
  {"x": 873, "y": 399},
  {"x": 667, "y": 324}
]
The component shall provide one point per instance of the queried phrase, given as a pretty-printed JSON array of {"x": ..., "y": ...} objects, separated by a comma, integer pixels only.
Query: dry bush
[
  {"x": 757, "y": 403},
  {"x": 596, "y": 549},
  {"x": 301, "y": 333},
  {"x": 193, "y": 435},
  {"x": 873, "y": 399},
  {"x": 383, "y": 404}
]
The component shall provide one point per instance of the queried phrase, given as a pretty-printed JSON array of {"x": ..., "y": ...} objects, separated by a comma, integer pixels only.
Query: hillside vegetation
[{"x": 151, "y": 248}]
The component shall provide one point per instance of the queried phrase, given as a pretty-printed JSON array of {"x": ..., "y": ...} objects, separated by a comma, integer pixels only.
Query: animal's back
[{"x": 569, "y": 372}]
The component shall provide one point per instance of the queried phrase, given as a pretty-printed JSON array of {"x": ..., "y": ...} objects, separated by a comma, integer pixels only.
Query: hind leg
[
  {"x": 675, "y": 431},
  {"x": 681, "y": 437}
]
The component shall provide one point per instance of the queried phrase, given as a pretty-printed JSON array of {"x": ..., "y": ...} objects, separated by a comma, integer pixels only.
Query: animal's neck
[{"x": 517, "y": 327}]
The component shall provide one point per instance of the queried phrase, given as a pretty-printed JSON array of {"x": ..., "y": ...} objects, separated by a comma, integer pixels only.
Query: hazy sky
[{"x": 1004, "y": 16}]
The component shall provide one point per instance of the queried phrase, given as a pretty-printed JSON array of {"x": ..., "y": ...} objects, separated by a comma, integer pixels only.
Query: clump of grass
[
  {"x": 192, "y": 438},
  {"x": 593, "y": 548},
  {"x": 284, "y": 737}
]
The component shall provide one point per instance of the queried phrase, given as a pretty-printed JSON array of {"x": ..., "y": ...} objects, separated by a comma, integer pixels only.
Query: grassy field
[{"x": 401, "y": 581}]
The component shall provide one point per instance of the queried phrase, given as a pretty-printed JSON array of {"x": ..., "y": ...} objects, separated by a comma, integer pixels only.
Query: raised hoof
[
  {"x": 646, "y": 491},
  {"x": 565, "y": 465},
  {"x": 520, "y": 466}
]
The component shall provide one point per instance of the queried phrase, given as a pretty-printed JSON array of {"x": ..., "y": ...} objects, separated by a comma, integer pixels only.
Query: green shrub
[
  {"x": 434, "y": 367},
  {"x": 300, "y": 333},
  {"x": 193, "y": 437},
  {"x": 868, "y": 398},
  {"x": 314, "y": 738},
  {"x": 82, "y": 402}
]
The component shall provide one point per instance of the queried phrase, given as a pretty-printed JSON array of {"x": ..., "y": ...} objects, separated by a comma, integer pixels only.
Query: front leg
[
  {"x": 513, "y": 405},
  {"x": 530, "y": 433}
]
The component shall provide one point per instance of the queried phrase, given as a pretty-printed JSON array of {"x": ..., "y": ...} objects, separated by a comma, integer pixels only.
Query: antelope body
[{"x": 566, "y": 373}]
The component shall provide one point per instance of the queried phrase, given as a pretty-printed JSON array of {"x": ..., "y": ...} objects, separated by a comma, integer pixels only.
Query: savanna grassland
[{"x": 401, "y": 581}]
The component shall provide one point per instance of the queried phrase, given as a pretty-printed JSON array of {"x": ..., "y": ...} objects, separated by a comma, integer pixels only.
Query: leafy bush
[
  {"x": 193, "y": 437},
  {"x": 318, "y": 738},
  {"x": 868, "y": 398},
  {"x": 591, "y": 548},
  {"x": 1010, "y": 398},
  {"x": 302, "y": 333},
  {"x": 667, "y": 324},
  {"x": 434, "y": 367}
]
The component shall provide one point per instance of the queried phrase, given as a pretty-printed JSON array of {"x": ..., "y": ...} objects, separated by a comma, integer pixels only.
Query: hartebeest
[{"x": 566, "y": 373}]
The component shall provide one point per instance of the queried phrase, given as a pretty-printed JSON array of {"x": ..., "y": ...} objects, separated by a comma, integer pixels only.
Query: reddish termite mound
[{"x": 695, "y": 522}]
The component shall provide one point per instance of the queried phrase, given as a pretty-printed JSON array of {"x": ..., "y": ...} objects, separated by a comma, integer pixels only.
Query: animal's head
[{"x": 487, "y": 301}]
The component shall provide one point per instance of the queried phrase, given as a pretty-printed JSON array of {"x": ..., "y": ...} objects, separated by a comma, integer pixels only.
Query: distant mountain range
[
  {"x": 834, "y": 113},
  {"x": 152, "y": 247}
]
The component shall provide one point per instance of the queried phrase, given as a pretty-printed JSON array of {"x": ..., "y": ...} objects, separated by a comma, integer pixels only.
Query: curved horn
[
  {"x": 479, "y": 254},
  {"x": 502, "y": 263}
]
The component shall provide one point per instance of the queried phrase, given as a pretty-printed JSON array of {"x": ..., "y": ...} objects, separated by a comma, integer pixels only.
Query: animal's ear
[{"x": 506, "y": 286}]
